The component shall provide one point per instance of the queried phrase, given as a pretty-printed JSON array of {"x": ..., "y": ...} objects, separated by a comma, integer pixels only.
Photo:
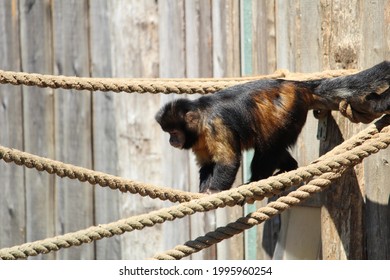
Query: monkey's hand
[
  {"x": 211, "y": 191},
  {"x": 217, "y": 177}
]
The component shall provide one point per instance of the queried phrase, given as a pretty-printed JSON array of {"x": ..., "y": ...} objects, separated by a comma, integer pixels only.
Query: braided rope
[
  {"x": 179, "y": 86},
  {"x": 93, "y": 177},
  {"x": 337, "y": 164},
  {"x": 360, "y": 146},
  {"x": 252, "y": 219}
]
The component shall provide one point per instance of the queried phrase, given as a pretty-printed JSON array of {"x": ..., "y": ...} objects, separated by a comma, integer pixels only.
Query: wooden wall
[{"x": 116, "y": 133}]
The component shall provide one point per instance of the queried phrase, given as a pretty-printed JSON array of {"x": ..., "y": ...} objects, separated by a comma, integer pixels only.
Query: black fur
[{"x": 368, "y": 90}]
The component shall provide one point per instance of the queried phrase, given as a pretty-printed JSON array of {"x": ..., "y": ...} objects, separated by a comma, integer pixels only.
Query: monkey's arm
[
  {"x": 219, "y": 171},
  {"x": 217, "y": 177}
]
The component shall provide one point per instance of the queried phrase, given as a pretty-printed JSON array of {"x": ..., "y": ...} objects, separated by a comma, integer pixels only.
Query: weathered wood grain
[
  {"x": 38, "y": 116},
  {"x": 174, "y": 164},
  {"x": 104, "y": 126},
  {"x": 226, "y": 63},
  {"x": 264, "y": 62},
  {"x": 134, "y": 35},
  {"x": 199, "y": 63},
  {"x": 375, "y": 48},
  {"x": 342, "y": 213},
  {"x": 12, "y": 198},
  {"x": 73, "y": 119},
  {"x": 298, "y": 49}
]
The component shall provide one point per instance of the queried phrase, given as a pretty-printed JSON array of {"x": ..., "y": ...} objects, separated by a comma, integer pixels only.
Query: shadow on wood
[{"x": 342, "y": 215}]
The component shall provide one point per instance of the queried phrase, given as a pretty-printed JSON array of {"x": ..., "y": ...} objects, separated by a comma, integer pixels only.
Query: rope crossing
[
  {"x": 326, "y": 169},
  {"x": 255, "y": 218}
]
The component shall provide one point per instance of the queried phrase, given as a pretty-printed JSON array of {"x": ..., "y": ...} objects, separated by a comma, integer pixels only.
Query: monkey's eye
[{"x": 172, "y": 132}]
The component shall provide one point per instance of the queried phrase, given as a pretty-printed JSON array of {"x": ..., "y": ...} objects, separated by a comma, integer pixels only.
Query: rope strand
[
  {"x": 252, "y": 219},
  {"x": 178, "y": 86},
  {"x": 93, "y": 177}
]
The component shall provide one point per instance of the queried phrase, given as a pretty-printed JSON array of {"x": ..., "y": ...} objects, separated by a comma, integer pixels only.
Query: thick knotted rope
[
  {"x": 336, "y": 161},
  {"x": 93, "y": 177},
  {"x": 252, "y": 219},
  {"x": 179, "y": 86}
]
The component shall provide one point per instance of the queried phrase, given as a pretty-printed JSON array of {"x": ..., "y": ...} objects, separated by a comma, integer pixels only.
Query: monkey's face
[
  {"x": 180, "y": 122},
  {"x": 177, "y": 138}
]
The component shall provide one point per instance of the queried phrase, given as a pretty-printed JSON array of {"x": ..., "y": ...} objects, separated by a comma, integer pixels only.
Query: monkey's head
[{"x": 180, "y": 119}]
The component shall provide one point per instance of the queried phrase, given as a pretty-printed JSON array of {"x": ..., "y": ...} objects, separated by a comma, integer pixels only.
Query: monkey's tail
[{"x": 375, "y": 80}]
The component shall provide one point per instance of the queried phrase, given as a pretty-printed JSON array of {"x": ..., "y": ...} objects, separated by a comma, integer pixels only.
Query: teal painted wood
[{"x": 246, "y": 69}]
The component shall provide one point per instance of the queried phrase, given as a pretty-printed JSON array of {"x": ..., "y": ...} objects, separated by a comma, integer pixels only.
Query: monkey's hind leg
[
  {"x": 265, "y": 164},
  {"x": 286, "y": 163}
]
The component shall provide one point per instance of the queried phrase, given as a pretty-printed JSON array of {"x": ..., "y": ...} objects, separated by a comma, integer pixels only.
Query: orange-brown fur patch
[
  {"x": 201, "y": 151},
  {"x": 222, "y": 147},
  {"x": 217, "y": 140},
  {"x": 273, "y": 107}
]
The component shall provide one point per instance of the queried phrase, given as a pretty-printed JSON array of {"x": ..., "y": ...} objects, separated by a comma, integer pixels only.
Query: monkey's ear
[{"x": 192, "y": 119}]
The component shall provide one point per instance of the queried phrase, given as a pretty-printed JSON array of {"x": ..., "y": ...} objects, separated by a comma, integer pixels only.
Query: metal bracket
[{"x": 322, "y": 128}]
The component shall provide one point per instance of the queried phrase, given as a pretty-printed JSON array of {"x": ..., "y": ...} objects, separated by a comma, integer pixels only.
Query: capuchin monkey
[{"x": 266, "y": 115}]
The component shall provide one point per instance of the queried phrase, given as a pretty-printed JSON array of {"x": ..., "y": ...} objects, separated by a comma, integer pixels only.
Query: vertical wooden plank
[
  {"x": 74, "y": 201},
  {"x": 285, "y": 25},
  {"x": 226, "y": 30},
  {"x": 199, "y": 64},
  {"x": 309, "y": 60},
  {"x": 246, "y": 25},
  {"x": 299, "y": 50},
  {"x": 198, "y": 39},
  {"x": 264, "y": 62},
  {"x": 134, "y": 37},
  {"x": 342, "y": 213},
  {"x": 174, "y": 166},
  {"x": 377, "y": 228},
  {"x": 104, "y": 128},
  {"x": 36, "y": 50},
  {"x": 375, "y": 49},
  {"x": 226, "y": 63},
  {"x": 264, "y": 38},
  {"x": 286, "y": 42},
  {"x": 12, "y": 200}
]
